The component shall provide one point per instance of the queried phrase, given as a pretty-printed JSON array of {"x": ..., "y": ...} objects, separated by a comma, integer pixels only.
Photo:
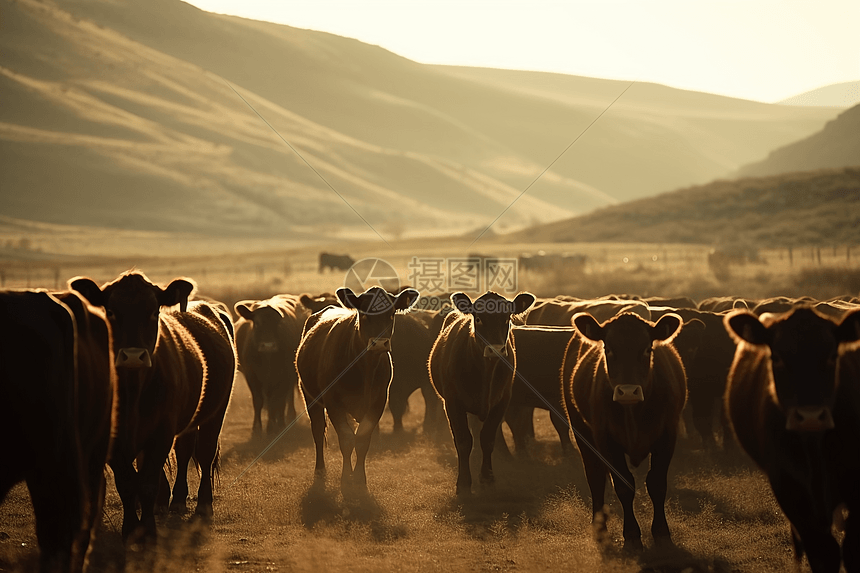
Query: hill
[
  {"x": 837, "y": 145},
  {"x": 844, "y": 94},
  {"x": 810, "y": 208},
  {"x": 131, "y": 116}
]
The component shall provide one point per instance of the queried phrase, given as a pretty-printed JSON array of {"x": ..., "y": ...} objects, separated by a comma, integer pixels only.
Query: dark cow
[
  {"x": 540, "y": 353},
  {"x": 344, "y": 366},
  {"x": 472, "y": 367},
  {"x": 410, "y": 350},
  {"x": 57, "y": 416},
  {"x": 175, "y": 371},
  {"x": 625, "y": 396},
  {"x": 707, "y": 351},
  {"x": 793, "y": 401},
  {"x": 557, "y": 312},
  {"x": 335, "y": 262},
  {"x": 267, "y": 337},
  {"x": 317, "y": 303}
]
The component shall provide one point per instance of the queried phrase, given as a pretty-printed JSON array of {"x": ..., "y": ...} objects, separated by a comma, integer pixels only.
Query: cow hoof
[
  {"x": 204, "y": 511},
  {"x": 664, "y": 541},
  {"x": 632, "y": 545},
  {"x": 178, "y": 507}
]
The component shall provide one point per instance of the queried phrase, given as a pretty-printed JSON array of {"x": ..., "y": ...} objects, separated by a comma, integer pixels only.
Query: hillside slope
[
  {"x": 120, "y": 114},
  {"x": 837, "y": 145},
  {"x": 843, "y": 94},
  {"x": 808, "y": 208}
]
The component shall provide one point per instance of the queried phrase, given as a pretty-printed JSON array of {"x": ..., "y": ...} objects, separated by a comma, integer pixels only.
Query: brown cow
[
  {"x": 625, "y": 395},
  {"x": 176, "y": 371},
  {"x": 344, "y": 366},
  {"x": 57, "y": 416},
  {"x": 267, "y": 337},
  {"x": 793, "y": 400},
  {"x": 472, "y": 367}
]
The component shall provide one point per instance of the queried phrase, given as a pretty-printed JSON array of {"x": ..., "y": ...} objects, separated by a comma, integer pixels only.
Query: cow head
[
  {"x": 267, "y": 323},
  {"x": 319, "y": 302},
  {"x": 491, "y": 318},
  {"x": 628, "y": 345},
  {"x": 376, "y": 309},
  {"x": 804, "y": 355},
  {"x": 132, "y": 304}
]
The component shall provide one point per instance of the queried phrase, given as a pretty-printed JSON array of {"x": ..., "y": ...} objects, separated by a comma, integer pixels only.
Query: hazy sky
[{"x": 764, "y": 50}]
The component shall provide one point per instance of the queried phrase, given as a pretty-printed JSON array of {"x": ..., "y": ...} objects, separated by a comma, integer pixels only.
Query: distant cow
[
  {"x": 542, "y": 261},
  {"x": 625, "y": 396},
  {"x": 793, "y": 399},
  {"x": 267, "y": 337},
  {"x": 339, "y": 262},
  {"x": 472, "y": 367},
  {"x": 540, "y": 353},
  {"x": 57, "y": 415},
  {"x": 558, "y": 312},
  {"x": 176, "y": 371},
  {"x": 344, "y": 366}
]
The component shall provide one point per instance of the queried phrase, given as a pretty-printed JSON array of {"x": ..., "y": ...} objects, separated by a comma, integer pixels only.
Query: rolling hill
[
  {"x": 160, "y": 117},
  {"x": 837, "y": 145},
  {"x": 843, "y": 94},
  {"x": 807, "y": 208}
]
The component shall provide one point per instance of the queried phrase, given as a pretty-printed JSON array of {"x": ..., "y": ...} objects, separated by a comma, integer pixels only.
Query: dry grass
[{"x": 536, "y": 519}]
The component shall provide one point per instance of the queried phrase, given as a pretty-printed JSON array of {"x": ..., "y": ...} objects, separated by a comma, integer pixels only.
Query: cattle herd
[{"x": 123, "y": 373}]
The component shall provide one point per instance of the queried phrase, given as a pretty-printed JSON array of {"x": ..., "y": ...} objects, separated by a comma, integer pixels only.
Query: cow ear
[
  {"x": 849, "y": 329},
  {"x": 462, "y": 302},
  {"x": 523, "y": 302},
  {"x": 243, "y": 309},
  {"x": 743, "y": 325},
  {"x": 587, "y": 326},
  {"x": 177, "y": 292},
  {"x": 347, "y": 298},
  {"x": 406, "y": 299},
  {"x": 306, "y": 300},
  {"x": 667, "y": 327},
  {"x": 88, "y": 288}
]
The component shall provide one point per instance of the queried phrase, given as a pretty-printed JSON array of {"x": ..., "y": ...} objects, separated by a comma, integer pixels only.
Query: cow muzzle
[
  {"x": 133, "y": 358},
  {"x": 809, "y": 419},
  {"x": 379, "y": 345},
  {"x": 494, "y": 350},
  {"x": 267, "y": 347},
  {"x": 627, "y": 394}
]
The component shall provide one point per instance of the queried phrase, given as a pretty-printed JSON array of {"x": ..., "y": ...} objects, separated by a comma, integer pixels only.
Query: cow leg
[
  {"x": 398, "y": 405},
  {"x": 276, "y": 404},
  {"x": 316, "y": 414},
  {"x": 346, "y": 439},
  {"x": 56, "y": 499},
  {"x": 811, "y": 528},
  {"x": 563, "y": 431},
  {"x": 490, "y": 432},
  {"x": 595, "y": 474},
  {"x": 851, "y": 543},
  {"x": 150, "y": 471},
  {"x": 363, "y": 434},
  {"x": 459, "y": 424},
  {"x": 657, "y": 483},
  {"x": 516, "y": 418},
  {"x": 183, "y": 447},
  {"x": 127, "y": 479},
  {"x": 631, "y": 530},
  {"x": 291, "y": 397},
  {"x": 258, "y": 399},
  {"x": 207, "y": 454},
  {"x": 702, "y": 409}
]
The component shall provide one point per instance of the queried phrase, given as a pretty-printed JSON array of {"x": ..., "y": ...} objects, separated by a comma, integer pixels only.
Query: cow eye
[
  {"x": 109, "y": 313},
  {"x": 777, "y": 362},
  {"x": 154, "y": 315},
  {"x": 609, "y": 354},
  {"x": 647, "y": 353},
  {"x": 478, "y": 320}
]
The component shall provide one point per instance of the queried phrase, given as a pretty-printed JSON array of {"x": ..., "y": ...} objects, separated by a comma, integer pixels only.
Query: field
[{"x": 269, "y": 518}]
